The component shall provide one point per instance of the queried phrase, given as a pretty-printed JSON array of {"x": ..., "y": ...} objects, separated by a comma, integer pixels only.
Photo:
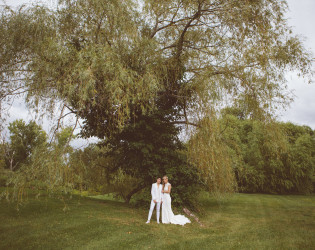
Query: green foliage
[
  {"x": 3, "y": 155},
  {"x": 149, "y": 149},
  {"x": 210, "y": 153},
  {"x": 149, "y": 145},
  {"x": 91, "y": 165},
  {"x": 64, "y": 137},
  {"x": 47, "y": 168},
  {"x": 24, "y": 138},
  {"x": 112, "y": 63},
  {"x": 302, "y": 163},
  {"x": 121, "y": 184},
  {"x": 94, "y": 167},
  {"x": 186, "y": 183},
  {"x": 270, "y": 157},
  {"x": 5, "y": 174}
]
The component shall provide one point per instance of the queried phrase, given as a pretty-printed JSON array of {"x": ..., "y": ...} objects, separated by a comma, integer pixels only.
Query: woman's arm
[{"x": 169, "y": 189}]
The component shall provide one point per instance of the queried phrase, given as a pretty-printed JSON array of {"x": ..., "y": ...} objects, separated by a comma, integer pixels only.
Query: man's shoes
[{"x": 147, "y": 222}]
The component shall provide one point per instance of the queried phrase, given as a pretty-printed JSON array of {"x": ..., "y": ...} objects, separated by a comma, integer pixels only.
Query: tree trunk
[{"x": 136, "y": 190}]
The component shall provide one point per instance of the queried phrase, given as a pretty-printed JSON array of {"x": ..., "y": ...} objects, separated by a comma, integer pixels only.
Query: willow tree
[{"x": 109, "y": 62}]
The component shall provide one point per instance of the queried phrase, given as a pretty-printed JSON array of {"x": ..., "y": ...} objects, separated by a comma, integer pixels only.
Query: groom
[{"x": 156, "y": 192}]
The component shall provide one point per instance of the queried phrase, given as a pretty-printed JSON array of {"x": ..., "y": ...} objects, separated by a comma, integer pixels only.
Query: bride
[{"x": 167, "y": 213}]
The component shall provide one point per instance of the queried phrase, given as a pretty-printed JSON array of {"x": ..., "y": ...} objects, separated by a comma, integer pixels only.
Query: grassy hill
[{"x": 244, "y": 221}]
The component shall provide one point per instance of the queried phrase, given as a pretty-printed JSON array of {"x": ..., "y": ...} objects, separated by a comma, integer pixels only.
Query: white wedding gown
[{"x": 167, "y": 213}]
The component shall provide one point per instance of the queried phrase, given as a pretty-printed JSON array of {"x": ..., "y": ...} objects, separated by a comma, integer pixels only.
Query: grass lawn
[{"x": 245, "y": 221}]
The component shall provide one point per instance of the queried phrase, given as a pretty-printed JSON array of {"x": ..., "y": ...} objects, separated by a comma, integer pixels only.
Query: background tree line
[
  {"x": 264, "y": 160},
  {"x": 267, "y": 158}
]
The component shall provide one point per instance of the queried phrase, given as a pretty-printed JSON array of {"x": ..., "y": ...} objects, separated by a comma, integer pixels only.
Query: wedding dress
[{"x": 167, "y": 213}]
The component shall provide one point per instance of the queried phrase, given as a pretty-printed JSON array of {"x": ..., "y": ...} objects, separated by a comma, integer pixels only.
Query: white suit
[{"x": 156, "y": 193}]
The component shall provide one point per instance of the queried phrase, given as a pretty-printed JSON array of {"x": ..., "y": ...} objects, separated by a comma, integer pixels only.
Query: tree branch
[
  {"x": 181, "y": 38},
  {"x": 186, "y": 122}
]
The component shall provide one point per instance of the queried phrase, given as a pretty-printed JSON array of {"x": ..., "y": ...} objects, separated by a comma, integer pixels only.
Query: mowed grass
[{"x": 244, "y": 221}]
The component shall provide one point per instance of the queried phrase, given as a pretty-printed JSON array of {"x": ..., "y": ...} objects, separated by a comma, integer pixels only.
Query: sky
[{"x": 302, "y": 111}]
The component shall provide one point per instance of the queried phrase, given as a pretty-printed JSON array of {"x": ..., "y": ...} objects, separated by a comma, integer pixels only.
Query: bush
[{"x": 4, "y": 176}]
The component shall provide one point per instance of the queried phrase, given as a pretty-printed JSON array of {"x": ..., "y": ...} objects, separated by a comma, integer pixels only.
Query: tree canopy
[{"x": 24, "y": 139}]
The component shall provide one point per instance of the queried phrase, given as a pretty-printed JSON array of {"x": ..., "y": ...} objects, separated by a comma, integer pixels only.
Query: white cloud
[{"x": 302, "y": 111}]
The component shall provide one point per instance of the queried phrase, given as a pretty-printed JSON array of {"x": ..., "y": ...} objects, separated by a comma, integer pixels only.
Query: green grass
[{"x": 244, "y": 221}]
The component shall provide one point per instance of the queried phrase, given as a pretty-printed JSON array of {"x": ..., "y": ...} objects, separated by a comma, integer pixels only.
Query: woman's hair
[{"x": 163, "y": 181}]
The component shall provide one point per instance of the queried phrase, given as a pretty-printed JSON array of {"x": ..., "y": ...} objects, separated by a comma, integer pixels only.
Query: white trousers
[{"x": 158, "y": 205}]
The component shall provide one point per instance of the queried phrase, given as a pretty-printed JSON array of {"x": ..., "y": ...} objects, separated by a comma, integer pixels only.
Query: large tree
[
  {"x": 150, "y": 149},
  {"x": 113, "y": 62},
  {"x": 24, "y": 138}
]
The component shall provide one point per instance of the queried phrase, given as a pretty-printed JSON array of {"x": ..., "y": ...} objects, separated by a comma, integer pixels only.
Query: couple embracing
[{"x": 161, "y": 196}]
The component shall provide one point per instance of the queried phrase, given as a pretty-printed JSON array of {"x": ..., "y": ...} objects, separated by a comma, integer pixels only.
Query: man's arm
[{"x": 153, "y": 193}]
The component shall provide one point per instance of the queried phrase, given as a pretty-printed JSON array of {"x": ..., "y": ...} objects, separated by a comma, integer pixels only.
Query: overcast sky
[{"x": 301, "y": 17}]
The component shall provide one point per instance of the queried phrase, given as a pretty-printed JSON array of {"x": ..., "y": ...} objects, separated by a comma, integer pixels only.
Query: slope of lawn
[{"x": 244, "y": 221}]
